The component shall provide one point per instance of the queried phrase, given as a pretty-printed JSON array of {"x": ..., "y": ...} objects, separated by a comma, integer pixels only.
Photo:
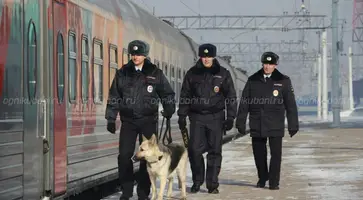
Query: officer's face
[
  {"x": 268, "y": 68},
  {"x": 138, "y": 59},
  {"x": 207, "y": 61}
]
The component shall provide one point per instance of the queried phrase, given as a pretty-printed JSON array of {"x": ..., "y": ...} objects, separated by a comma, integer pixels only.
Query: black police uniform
[
  {"x": 136, "y": 96},
  {"x": 205, "y": 94},
  {"x": 266, "y": 100}
]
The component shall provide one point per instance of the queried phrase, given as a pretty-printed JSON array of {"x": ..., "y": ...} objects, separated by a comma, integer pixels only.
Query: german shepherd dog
[{"x": 163, "y": 161}]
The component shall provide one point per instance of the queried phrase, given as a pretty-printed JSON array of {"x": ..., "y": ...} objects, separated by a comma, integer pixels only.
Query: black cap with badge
[
  {"x": 270, "y": 58},
  {"x": 207, "y": 50},
  {"x": 138, "y": 47}
]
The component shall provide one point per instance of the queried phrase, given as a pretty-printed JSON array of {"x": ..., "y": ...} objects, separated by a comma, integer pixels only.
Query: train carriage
[{"x": 57, "y": 61}]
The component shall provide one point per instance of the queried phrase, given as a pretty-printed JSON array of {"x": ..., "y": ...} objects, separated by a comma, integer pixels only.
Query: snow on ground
[
  {"x": 333, "y": 164},
  {"x": 317, "y": 164}
]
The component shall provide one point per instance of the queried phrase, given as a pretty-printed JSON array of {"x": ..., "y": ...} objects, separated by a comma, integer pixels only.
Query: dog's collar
[{"x": 160, "y": 157}]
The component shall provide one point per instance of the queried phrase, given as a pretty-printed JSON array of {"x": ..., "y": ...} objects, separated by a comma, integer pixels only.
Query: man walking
[
  {"x": 134, "y": 94},
  {"x": 267, "y": 95},
  {"x": 207, "y": 90}
]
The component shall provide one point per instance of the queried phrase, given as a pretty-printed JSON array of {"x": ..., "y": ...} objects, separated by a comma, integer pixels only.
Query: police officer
[
  {"x": 267, "y": 95},
  {"x": 135, "y": 93},
  {"x": 207, "y": 90}
]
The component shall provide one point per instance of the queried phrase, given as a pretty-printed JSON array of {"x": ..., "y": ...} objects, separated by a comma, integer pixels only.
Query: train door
[
  {"x": 61, "y": 98},
  {"x": 34, "y": 103}
]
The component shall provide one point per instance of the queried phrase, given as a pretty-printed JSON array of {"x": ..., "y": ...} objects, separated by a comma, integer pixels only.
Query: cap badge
[
  {"x": 268, "y": 58},
  {"x": 135, "y": 48},
  {"x": 206, "y": 51}
]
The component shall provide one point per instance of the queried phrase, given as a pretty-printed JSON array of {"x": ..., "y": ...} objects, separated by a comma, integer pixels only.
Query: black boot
[
  {"x": 195, "y": 188},
  {"x": 213, "y": 191},
  {"x": 274, "y": 187},
  {"x": 261, "y": 184}
]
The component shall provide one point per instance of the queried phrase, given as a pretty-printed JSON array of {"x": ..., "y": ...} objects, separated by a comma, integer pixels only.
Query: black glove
[
  {"x": 228, "y": 124},
  {"x": 182, "y": 123},
  {"x": 165, "y": 114},
  {"x": 111, "y": 127},
  {"x": 292, "y": 133}
]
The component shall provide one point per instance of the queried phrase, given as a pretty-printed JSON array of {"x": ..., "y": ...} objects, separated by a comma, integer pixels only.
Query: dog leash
[
  {"x": 185, "y": 136},
  {"x": 167, "y": 133}
]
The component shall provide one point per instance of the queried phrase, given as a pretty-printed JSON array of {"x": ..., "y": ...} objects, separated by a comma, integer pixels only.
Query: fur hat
[
  {"x": 138, "y": 47},
  {"x": 270, "y": 58},
  {"x": 207, "y": 50}
]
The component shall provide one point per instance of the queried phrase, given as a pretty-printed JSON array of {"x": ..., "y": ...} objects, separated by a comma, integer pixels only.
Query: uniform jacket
[
  {"x": 266, "y": 102},
  {"x": 137, "y": 94},
  {"x": 207, "y": 91}
]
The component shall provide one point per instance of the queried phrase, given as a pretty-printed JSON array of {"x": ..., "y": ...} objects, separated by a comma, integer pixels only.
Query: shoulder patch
[{"x": 151, "y": 77}]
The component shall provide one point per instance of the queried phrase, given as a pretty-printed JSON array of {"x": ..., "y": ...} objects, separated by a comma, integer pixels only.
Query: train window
[
  {"x": 60, "y": 67},
  {"x": 113, "y": 62},
  {"x": 32, "y": 61},
  {"x": 125, "y": 56},
  {"x": 172, "y": 71},
  {"x": 165, "y": 69},
  {"x": 179, "y": 73},
  {"x": 97, "y": 71},
  {"x": 113, "y": 55},
  {"x": 72, "y": 73},
  {"x": 172, "y": 79},
  {"x": 85, "y": 69}
]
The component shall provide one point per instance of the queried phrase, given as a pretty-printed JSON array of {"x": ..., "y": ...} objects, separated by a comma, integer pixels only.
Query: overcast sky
[{"x": 260, "y": 7}]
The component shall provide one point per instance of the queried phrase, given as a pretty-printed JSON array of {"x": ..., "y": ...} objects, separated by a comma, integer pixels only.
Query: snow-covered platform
[{"x": 324, "y": 164}]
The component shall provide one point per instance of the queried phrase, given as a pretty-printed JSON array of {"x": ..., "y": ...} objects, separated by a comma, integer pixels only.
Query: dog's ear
[
  {"x": 153, "y": 139},
  {"x": 144, "y": 138}
]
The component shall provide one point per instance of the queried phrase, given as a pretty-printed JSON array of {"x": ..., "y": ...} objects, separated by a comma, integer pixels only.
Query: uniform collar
[
  {"x": 276, "y": 75},
  {"x": 147, "y": 69},
  {"x": 138, "y": 68},
  {"x": 214, "y": 69}
]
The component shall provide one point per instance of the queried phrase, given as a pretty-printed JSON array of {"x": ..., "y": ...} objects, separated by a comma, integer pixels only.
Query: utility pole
[
  {"x": 319, "y": 86},
  {"x": 335, "y": 89},
  {"x": 350, "y": 78},
  {"x": 324, "y": 75}
]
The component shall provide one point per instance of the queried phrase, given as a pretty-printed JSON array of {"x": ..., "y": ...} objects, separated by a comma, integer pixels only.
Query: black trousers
[
  {"x": 128, "y": 134},
  {"x": 260, "y": 155},
  {"x": 206, "y": 135}
]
